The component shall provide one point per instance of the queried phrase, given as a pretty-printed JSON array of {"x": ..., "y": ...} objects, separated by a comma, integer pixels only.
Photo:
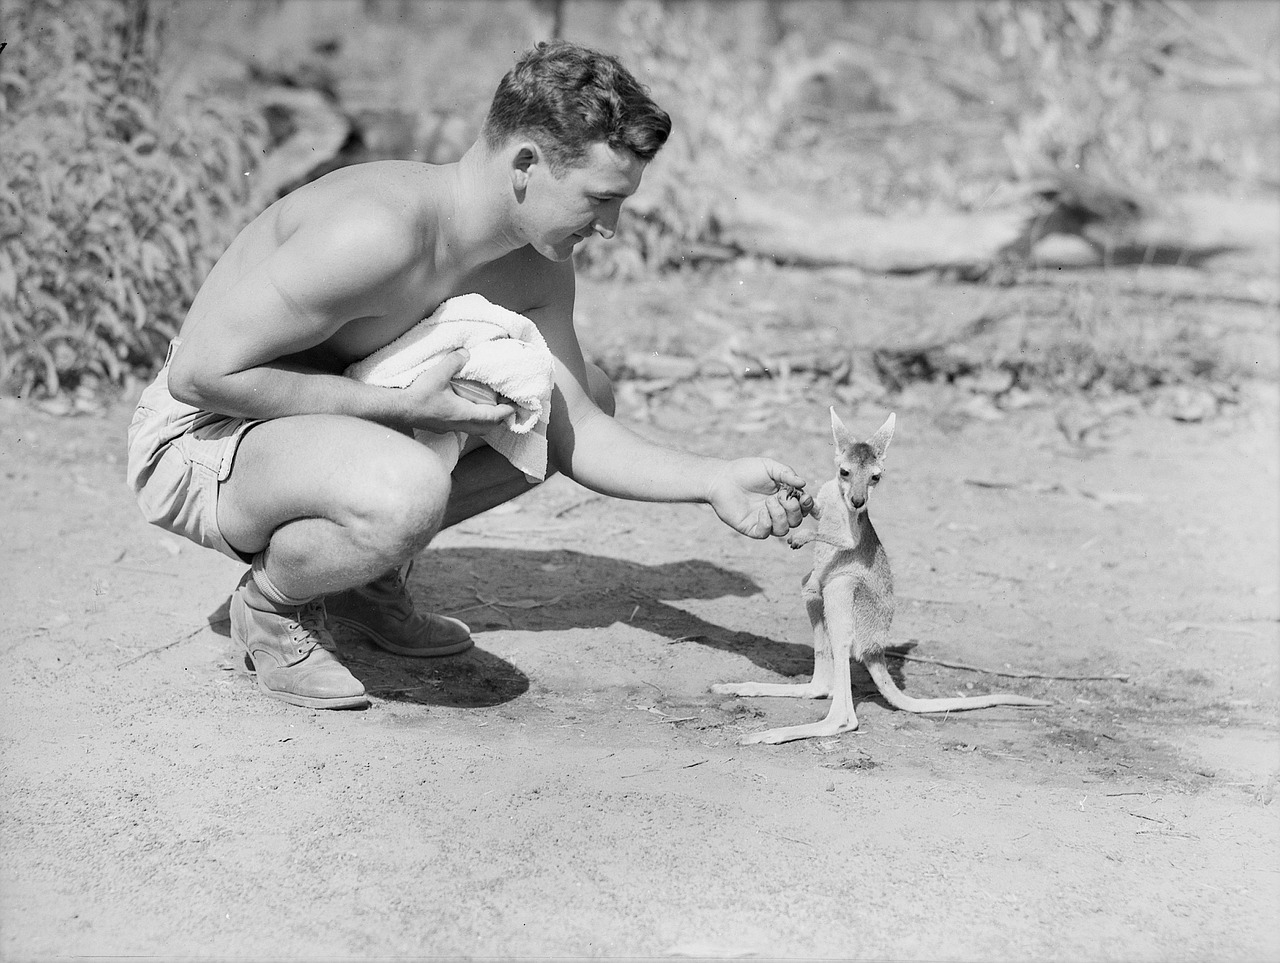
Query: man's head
[
  {"x": 573, "y": 130},
  {"x": 567, "y": 97}
]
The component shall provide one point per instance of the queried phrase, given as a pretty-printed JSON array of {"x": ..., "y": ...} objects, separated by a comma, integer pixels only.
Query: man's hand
[
  {"x": 759, "y": 497},
  {"x": 434, "y": 406}
]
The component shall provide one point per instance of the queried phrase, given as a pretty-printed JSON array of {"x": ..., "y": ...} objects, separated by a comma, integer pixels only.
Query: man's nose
[{"x": 606, "y": 223}]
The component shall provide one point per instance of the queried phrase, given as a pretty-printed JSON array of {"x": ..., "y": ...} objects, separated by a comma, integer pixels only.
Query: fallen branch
[{"x": 1008, "y": 673}]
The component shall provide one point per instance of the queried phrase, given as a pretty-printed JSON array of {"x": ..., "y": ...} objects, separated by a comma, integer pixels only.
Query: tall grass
[{"x": 115, "y": 198}]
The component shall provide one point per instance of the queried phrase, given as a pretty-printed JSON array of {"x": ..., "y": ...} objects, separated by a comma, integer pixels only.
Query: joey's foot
[
  {"x": 814, "y": 730},
  {"x": 785, "y": 690}
]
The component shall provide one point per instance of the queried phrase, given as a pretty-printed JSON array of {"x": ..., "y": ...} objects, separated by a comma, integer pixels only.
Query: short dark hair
[{"x": 567, "y": 97}]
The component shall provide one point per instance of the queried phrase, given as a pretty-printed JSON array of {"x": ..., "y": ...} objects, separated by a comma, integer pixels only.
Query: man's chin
[{"x": 556, "y": 252}]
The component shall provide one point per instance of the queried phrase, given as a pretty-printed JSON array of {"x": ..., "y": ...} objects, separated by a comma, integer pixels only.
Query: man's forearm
[
  {"x": 282, "y": 388},
  {"x": 609, "y": 458}
]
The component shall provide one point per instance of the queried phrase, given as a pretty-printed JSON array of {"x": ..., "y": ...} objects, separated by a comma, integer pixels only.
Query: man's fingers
[
  {"x": 496, "y": 414},
  {"x": 483, "y": 419},
  {"x": 785, "y": 476},
  {"x": 794, "y": 509},
  {"x": 777, "y": 516},
  {"x": 453, "y": 362}
]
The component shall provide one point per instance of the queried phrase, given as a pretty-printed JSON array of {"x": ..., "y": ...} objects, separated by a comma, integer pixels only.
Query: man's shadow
[{"x": 548, "y": 591}]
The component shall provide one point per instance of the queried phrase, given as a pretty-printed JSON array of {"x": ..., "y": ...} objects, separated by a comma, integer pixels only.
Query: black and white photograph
[{"x": 640, "y": 480}]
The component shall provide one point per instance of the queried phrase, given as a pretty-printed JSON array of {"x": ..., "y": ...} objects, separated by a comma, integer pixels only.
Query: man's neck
[{"x": 474, "y": 228}]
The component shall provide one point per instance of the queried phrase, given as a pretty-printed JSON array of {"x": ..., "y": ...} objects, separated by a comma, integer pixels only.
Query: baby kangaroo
[{"x": 849, "y": 598}]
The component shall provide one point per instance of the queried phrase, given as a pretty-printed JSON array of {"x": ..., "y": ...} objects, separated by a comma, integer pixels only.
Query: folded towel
[{"x": 508, "y": 354}]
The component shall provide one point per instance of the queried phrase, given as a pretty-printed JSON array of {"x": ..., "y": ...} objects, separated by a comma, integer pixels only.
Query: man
[{"x": 252, "y": 442}]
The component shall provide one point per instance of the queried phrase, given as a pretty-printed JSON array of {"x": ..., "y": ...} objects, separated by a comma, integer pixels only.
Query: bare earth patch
[{"x": 571, "y": 787}]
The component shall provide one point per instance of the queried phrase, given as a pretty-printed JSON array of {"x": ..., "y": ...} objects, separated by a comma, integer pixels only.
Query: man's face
[{"x": 560, "y": 211}]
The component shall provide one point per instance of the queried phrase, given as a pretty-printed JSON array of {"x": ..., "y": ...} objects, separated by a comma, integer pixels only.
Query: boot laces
[{"x": 309, "y": 629}]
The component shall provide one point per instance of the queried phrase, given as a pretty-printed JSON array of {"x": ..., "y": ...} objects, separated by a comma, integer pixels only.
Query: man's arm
[
  {"x": 603, "y": 455},
  {"x": 321, "y": 278}
]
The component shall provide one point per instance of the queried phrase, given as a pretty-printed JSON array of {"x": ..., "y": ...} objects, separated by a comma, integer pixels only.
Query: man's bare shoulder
[{"x": 383, "y": 206}]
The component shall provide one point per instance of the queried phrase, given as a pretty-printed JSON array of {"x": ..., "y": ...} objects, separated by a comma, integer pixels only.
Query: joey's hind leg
[
  {"x": 818, "y": 687},
  {"x": 839, "y": 625}
]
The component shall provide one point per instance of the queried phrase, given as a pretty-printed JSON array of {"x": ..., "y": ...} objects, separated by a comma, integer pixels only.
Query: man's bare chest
[{"x": 361, "y": 337}]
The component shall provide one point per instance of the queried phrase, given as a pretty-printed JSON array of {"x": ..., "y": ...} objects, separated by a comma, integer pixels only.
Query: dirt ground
[{"x": 571, "y": 788}]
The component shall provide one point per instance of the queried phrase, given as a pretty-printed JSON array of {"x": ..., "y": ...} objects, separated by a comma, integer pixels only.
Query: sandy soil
[{"x": 571, "y": 787}]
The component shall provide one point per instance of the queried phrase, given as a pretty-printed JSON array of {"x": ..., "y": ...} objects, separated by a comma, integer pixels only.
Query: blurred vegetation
[
  {"x": 116, "y": 198},
  {"x": 122, "y": 190}
]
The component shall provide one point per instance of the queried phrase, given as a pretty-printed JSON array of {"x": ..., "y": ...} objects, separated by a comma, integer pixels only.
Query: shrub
[{"x": 116, "y": 198}]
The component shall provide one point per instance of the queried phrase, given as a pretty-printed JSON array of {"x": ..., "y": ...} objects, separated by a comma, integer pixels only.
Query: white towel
[{"x": 508, "y": 354}]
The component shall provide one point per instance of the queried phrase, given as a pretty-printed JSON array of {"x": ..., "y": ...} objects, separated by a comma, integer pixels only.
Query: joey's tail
[{"x": 879, "y": 672}]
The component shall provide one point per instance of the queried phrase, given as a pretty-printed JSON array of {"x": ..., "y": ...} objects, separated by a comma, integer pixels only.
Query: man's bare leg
[
  {"x": 323, "y": 503},
  {"x": 318, "y": 527},
  {"x": 332, "y": 501}
]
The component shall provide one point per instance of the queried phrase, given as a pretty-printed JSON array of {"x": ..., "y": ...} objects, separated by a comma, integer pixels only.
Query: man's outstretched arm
[{"x": 757, "y": 497}]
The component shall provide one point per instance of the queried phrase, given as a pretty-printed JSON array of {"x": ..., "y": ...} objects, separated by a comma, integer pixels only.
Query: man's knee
[
  {"x": 399, "y": 504},
  {"x": 601, "y": 389}
]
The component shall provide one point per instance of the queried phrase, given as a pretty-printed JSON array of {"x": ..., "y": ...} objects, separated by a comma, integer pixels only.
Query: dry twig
[
  {"x": 1008, "y": 673},
  {"x": 169, "y": 645}
]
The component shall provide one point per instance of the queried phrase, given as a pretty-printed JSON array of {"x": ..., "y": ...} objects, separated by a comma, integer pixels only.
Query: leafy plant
[
  {"x": 116, "y": 199},
  {"x": 1082, "y": 83}
]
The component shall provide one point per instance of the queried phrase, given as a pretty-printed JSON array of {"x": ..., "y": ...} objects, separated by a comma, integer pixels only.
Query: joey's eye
[
  {"x": 844, "y": 473},
  {"x": 875, "y": 478}
]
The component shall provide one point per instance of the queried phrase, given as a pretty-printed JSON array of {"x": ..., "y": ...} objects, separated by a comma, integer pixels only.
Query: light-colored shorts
[{"x": 178, "y": 456}]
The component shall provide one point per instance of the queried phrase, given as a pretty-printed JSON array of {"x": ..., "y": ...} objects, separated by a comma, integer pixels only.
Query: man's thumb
[{"x": 450, "y": 364}]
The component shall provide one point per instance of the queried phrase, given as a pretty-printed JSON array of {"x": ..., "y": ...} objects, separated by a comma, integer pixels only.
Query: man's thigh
[{"x": 325, "y": 466}]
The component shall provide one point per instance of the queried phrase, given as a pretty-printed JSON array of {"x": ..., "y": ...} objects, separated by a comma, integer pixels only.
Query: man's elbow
[{"x": 188, "y": 384}]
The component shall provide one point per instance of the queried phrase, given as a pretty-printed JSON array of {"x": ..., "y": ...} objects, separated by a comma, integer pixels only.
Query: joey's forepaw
[{"x": 799, "y": 539}]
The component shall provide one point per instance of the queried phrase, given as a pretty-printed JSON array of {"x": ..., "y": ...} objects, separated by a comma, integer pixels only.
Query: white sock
[{"x": 262, "y": 581}]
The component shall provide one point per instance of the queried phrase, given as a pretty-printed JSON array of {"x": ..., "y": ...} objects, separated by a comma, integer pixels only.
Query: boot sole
[
  {"x": 313, "y": 702},
  {"x": 453, "y": 648}
]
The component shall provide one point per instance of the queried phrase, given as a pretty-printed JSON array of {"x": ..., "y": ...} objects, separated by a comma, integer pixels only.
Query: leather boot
[
  {"x": 383, "y": 612},
  {"x": 289, "y": 647}
]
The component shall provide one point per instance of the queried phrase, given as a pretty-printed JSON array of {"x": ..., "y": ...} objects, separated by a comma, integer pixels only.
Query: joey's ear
[
  {"x": 844, "y": 440},
  {"x": 884, "y": 434}
]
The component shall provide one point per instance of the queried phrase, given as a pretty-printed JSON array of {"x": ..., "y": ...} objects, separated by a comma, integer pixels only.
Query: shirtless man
[{"x": 251, "y": 441}]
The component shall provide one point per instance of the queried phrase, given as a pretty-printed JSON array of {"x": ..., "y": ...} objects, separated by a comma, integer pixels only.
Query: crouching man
[{"x": 251, "y": 441}]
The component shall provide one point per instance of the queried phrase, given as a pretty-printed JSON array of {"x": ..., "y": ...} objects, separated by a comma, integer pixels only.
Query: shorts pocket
[{"x": 163, "y": 495}]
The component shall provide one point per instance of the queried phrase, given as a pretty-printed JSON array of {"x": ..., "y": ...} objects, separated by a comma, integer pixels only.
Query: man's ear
[{"x": 526, "y": 157}]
